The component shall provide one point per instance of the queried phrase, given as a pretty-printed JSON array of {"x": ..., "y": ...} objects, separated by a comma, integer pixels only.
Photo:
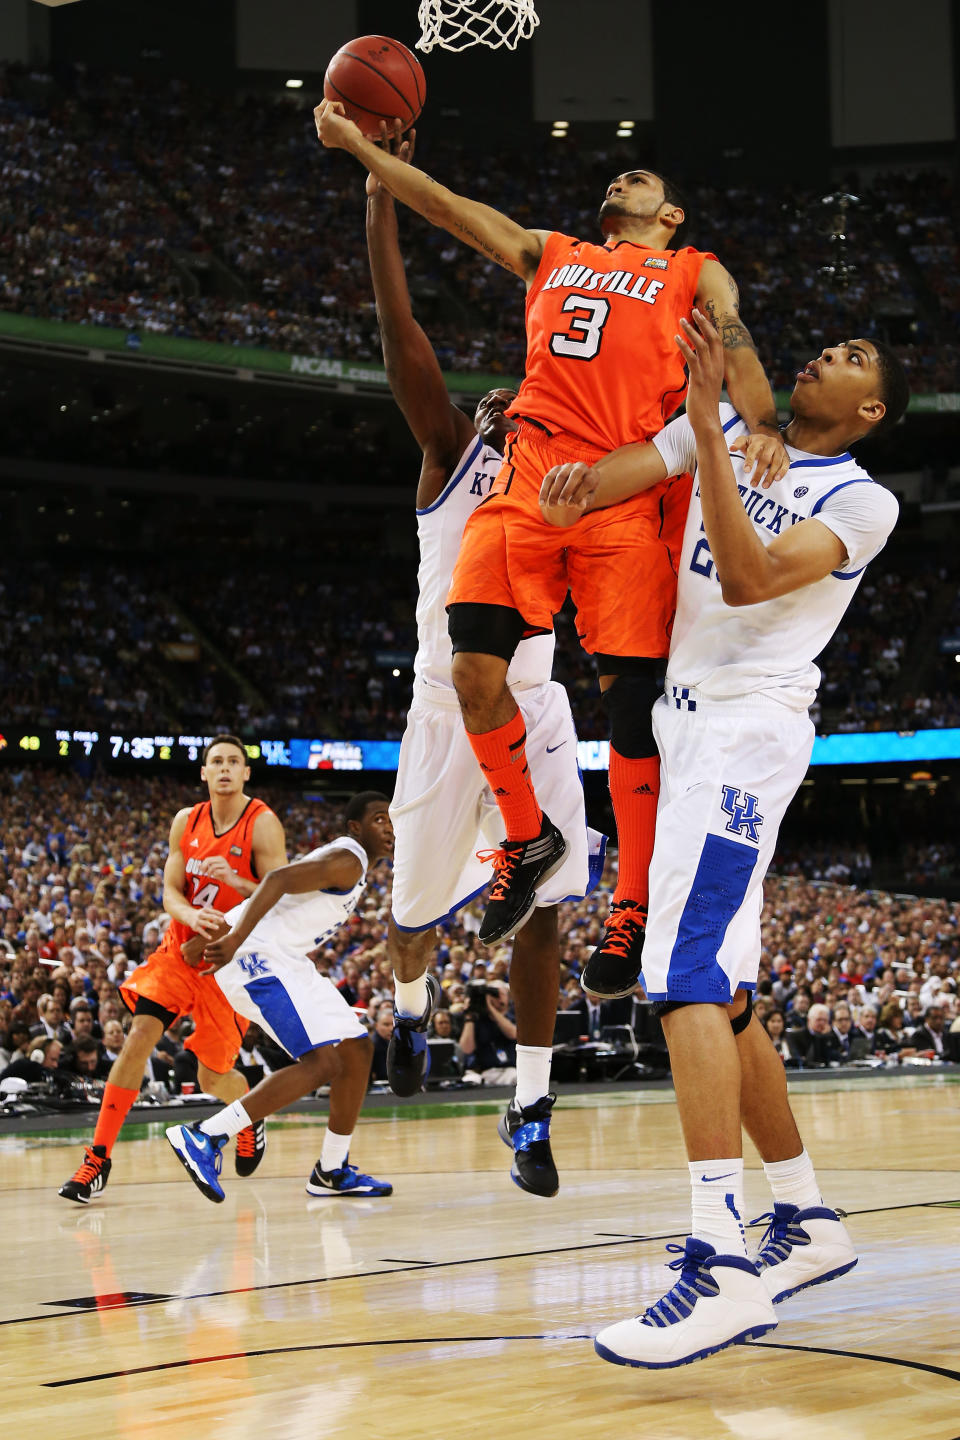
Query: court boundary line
[{"x": 459, "y": 1340}]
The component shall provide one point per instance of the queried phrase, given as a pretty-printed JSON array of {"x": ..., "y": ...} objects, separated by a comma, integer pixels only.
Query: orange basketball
[{"x": 376, "y": 78}]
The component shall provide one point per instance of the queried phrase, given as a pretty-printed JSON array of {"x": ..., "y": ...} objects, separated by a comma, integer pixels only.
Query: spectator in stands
[
  {"x": 929, "y": 1035},
  {"x": 488, "y": 1040},
  {"x": 776, "y": 1027},
  {"x": 43, "y": 1058},
  {"x": 817, "y": 1044},
  {"x": 85, "y": 1057},
  {"x": 382, "y": 1030}
]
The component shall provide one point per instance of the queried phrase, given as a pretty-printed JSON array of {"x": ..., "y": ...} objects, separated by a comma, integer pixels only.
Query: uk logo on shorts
[
  {"x": 253, "y": 965},
  {"x": 745, "y": 819}
]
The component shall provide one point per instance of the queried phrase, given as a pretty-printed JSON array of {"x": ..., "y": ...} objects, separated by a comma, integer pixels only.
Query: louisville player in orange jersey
[
  {"x": 602, "y": 370},
  {"x": 220, "y": 850}
]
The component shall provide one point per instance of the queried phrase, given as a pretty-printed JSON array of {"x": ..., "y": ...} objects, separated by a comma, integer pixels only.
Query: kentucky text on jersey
[{"x": 616, "y": 282}]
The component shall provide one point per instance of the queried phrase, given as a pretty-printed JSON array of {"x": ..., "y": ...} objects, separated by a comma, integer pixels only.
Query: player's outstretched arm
[
  {"x": 339, "y": 870},
  {"x": 718, "y": 298},
  {"x": 569, "y": 491},
  {"x": 440, "y": 429},
  {"x": 749, "y": 571},
  {"x": 494, "y": 235}
]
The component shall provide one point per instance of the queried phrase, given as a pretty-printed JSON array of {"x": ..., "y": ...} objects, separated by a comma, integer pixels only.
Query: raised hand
[
  {"x": 393, "y": 140},
  {"x": 334, "y": 130}
]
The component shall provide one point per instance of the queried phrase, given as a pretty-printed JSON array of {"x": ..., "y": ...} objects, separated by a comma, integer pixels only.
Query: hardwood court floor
[{"x": 462, "y": 1307}]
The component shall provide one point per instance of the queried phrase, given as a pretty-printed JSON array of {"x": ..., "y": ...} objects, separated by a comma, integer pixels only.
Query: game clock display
[{"x": 299, "y": 752}]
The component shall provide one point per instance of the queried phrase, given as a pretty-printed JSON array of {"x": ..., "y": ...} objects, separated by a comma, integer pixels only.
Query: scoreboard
[{"x": 300, "y": 753}]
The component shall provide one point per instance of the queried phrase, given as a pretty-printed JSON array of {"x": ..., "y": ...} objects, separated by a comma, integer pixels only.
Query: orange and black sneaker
[
  {"x": 90, "y": 1179},
  {"x": 519, "y": 867},
  {"x": 614, "y": 967},
  {"x": 251, "y": 1143}
]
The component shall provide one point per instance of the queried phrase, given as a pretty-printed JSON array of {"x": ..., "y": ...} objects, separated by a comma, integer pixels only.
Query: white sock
[
  {"x": 793, "y": 1182},
  {"x": 229, "y": 1121},
  {"x": 533, "y": 1073},
  {"x": 335, "y": 1150},
  {"x": 717, "y": 1187},
  {"x": 412, "y": 996}
]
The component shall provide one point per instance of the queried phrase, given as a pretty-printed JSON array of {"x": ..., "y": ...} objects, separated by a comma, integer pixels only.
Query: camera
[{"x": 477, "y": 992}]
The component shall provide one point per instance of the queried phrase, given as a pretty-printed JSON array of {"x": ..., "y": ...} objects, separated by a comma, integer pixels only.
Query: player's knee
[
  {"x": 479, "y": 680},
  {"x": 629, "y": 705},
  {"x": 144, "y": 1032},
  {"x": 484, "y": 631}
]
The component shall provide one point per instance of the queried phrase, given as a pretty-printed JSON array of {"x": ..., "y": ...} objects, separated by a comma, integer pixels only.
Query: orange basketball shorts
[
  {"x": 618, "y": 564},
  {"x": 169, "y": 981}
]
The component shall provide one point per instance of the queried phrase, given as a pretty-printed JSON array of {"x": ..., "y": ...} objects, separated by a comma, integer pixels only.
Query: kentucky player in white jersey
[
  {"x": 442, "y": 810},
  {"x": 259, "y": 960},
  {"x": 765, "y": 578}
]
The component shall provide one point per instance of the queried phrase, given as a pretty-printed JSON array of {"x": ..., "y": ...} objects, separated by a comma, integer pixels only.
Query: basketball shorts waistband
[
  {"x": 559, "y": 442},
  {"x": 689, "y": 698}
]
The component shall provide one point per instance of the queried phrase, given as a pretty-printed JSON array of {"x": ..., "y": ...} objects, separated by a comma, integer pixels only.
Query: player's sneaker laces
[
  {"x": 801, "y": 1248},
  {"x": 408, "y": 1054},
  {"x": 520, "y": 866},
  {"x": 719, "y": 1300},
  {"x": 614, "y": 967},
  {"x": 91, "y": 1177},
  {"x": 251, "y": 1145},
  {"x": 201, "y": 1155},
  {"x": 527, "y": 1132},
  {"x": 347, "y": 1180}
]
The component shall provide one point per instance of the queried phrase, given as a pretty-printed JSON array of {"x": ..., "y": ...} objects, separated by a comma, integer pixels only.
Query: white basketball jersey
[
  {"x": 769, "y": 648},
  {"x": 440, "y": 530},
  {"x": 298, "y": 923}
]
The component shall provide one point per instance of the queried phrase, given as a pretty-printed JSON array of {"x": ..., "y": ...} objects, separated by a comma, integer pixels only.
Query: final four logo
[{"x": 745, "y": 819}]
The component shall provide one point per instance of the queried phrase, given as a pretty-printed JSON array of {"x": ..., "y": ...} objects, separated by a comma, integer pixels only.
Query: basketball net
[{"x": 458, "y": 24}]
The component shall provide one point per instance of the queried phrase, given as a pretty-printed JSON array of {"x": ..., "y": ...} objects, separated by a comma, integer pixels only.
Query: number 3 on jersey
[{"x": 582, "y": 340}]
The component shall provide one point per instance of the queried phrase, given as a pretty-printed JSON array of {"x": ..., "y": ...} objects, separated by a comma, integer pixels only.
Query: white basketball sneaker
[
  {"x": 719, "y": 1300},
  {"x": 801, "y": 1248}
]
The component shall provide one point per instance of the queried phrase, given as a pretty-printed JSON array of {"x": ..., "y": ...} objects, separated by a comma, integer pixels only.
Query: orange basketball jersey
[
  {"x": 602, "y": 363},
  {"x": 199, "y": 841}
]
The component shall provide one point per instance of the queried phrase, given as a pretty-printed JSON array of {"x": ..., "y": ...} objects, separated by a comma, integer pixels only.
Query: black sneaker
[
  {"x": 614, "y": 967},
  {"x": 527, "y": 1132},
  {"x": 91, "y": 1177},
  {"x": 520, "y": 865},
  {"x": 251, "y": 1145},
  {"x": 408, "y": 1054}
]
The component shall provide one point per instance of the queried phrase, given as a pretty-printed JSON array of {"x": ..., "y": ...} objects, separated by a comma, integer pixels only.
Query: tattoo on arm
[
  {"x": 481, "y": 244},
  {"x": 731, "y": 329}
]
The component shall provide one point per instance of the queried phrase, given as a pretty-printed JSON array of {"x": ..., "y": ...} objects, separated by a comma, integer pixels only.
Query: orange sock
[
  {"x": 502, "y": 757},
  {"x": 634, "y": 788},
  {"x": 114, "y": 1108}
]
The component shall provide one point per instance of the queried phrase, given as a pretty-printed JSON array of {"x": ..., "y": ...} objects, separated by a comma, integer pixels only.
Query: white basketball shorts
[
  {"x": 443, "y": 811},
  {"x": 729, "y": 769},
  {"x": 289, "y": 999}
]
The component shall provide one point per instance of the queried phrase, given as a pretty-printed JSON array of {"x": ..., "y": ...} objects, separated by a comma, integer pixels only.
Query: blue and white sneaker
[
  {"x": 345, "y": 1181},
  {"x": 719, "y": 1300},
  {"x": 408, "y": 1054},
  {"x": 527, "y": 1132},
  {"x": 201, "y": 1156},
  {"x": 801, "y": 1248}
]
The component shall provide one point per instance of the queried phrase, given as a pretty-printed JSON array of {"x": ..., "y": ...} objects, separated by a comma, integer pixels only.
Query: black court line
[
  {"x": 407, "y": 1267},
  {"x": 454, "y": 1340}
]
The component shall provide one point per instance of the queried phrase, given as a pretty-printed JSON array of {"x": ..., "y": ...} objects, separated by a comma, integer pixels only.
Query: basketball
[{"x": 376, "y": 78}]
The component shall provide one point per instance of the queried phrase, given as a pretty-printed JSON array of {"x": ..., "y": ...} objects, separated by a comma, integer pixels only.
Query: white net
[{"x": 457, "y": 24}]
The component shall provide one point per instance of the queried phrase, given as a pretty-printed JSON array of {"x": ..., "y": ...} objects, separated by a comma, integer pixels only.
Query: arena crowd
[
  {"x": 157, "y": 208},
  {"x": 847, "y": 974}
]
